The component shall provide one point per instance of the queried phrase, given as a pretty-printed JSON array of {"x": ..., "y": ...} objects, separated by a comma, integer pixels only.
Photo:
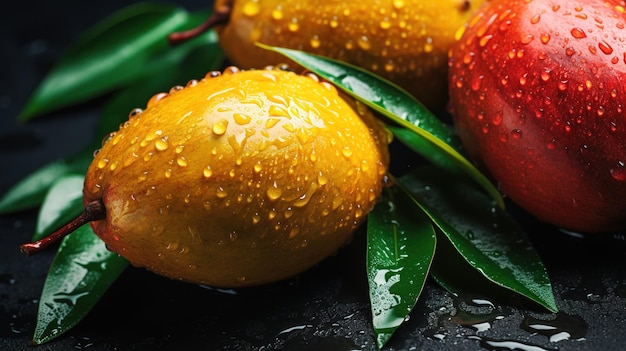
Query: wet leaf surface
[
  {"x": 400, "y": 247},
  {"x": 81, "y": 272},
  {"x": 487, "y": 237}
]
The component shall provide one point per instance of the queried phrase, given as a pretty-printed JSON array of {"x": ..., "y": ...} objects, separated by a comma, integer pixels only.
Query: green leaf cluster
[{"x": 446, "y": 211}]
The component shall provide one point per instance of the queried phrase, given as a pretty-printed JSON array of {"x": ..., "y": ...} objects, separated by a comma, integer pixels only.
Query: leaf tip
[{"x": 552, "y": 307}]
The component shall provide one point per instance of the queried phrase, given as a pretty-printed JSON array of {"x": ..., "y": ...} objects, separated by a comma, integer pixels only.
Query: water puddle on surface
[
  {"x": 502, "y": 345},
  {"x": 562, "y": 327},
  {"x": 479, "y": 316}
]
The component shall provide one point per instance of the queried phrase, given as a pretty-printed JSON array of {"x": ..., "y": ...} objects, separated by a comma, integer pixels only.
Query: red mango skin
[{"x": 537, "y": 93}]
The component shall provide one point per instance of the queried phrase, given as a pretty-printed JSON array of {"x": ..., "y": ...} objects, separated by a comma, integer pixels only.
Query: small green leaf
[
  {"x": 31, "y": 191},
  {"x": 113, "y": 52},
  {"x": 80, "y": 274},
  {"x": 396, "y": 104},
  {"x": 63, "y": 202},
  {"x": 400, "y": 249},
  {"x": 487, "y": 237}
]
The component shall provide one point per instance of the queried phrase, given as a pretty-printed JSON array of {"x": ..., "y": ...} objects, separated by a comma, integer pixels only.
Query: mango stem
[
  {"x": 219, "y": 16},
  {"x": 93, "y": 211}
]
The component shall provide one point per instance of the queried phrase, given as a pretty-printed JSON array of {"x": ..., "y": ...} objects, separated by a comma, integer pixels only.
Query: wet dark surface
[{"x": 324, "y": 309}]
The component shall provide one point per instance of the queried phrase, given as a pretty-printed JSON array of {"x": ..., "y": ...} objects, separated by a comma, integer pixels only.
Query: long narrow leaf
[
  {"x": 81, "y": 272},
  {"x": 400, "y": 248},
  {"x": 486, "y": 236},
  {"x": 111, "y": 53},
  {"x": 394, "y": 103}
]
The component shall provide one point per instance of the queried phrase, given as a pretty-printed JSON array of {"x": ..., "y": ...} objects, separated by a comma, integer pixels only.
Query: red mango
[{"x": 537, "y": 93}]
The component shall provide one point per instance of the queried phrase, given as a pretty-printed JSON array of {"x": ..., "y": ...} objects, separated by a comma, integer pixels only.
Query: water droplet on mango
[
  {"x": 293, "y": 25},
  {"x": 618, "y": 172},
  {"x": 161, "y": 144},
  {"x": 274, "y": 192},
  {"x": 315, "y": 41},
  {"x": 220, "y": 127},
  {"x": 578, "y": 33},
  {"x": 364, "y": 43}
]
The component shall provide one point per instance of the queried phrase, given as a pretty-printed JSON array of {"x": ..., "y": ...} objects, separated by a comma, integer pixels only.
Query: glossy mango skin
[
  {"x": 537, "y": 94},
  {"x": 405, "y": 41},
  {"x": 241, "y": 179}
]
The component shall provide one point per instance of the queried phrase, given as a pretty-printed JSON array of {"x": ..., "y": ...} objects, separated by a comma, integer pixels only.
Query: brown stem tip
[
  {"x": 93, "y": 211},
  {"x": 219, "y": 16}
]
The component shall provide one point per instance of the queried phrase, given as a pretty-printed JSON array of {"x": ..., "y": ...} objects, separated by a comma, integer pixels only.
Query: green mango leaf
[
  {"x": 400, "y": 248},
  {"x": 110, "y": 54},
  {"x": 399, "y": 106},
  {"x": 31, "y": 191},
  {"x": 63, "y": 203},
  {"x": 488, "y": 238},
  {"x": 81, "y": 272}
]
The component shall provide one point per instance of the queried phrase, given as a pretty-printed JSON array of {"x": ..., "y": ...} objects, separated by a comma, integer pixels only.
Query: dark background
[{"x": 325, "y": 308}]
